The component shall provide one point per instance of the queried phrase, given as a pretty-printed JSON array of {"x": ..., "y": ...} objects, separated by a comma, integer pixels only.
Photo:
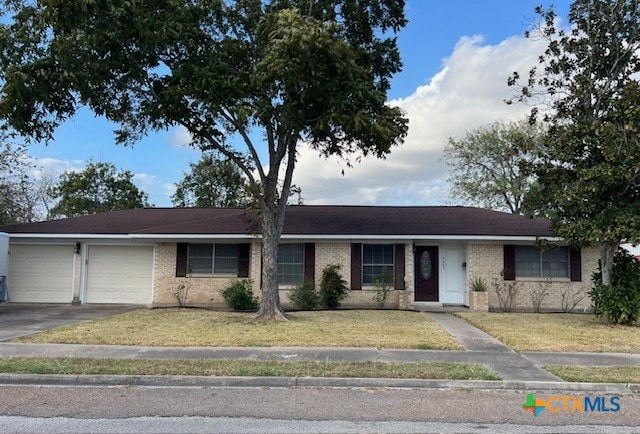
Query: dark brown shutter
[
  {"x": 575, "y": 264},
  {"x": 356, "y": 266},
  {"x": 398, "y": 267},
  {"x": 509, "y": 269},
  {"x": 182, "y": 250},
  {"x": 310, "y": 262},
  {"x": 244, "y": 252}
]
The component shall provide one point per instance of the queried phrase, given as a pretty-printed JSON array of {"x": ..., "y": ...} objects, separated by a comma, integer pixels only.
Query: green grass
[
  {"x": 84, "y": 366},
  {"x": 556, "y": 332},
  {"x": 198, "y": 327},
  {"x": 597, "y": 374}
]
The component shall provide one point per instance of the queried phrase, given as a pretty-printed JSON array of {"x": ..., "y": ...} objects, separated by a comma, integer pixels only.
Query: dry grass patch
[
  {"x": 83, "y": 366},
  {"x": 197, "y": 327},
  {"x": 597, "y": 374},
  {"x": 556, "y": 332}
]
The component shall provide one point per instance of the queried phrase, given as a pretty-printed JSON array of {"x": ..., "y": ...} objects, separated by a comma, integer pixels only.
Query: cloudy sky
[{"x": 457, "y": 56}]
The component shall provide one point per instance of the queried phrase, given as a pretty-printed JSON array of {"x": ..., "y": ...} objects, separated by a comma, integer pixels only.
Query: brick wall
[
  {"x": 487, "y": 260},
  {"x": 340, "y": 253},
  {"x": 203, "y": 291}
]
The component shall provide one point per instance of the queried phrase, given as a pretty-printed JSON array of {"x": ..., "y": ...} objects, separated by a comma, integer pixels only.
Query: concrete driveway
[{"x": 21, "y": 319}]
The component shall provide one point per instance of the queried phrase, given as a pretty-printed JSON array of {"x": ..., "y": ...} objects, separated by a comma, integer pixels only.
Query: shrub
[
  {"x": 304, "y": 296},
  {"x": 239, "y": 296},
  {"x": 539, "y": 294},
  {"x": 180, "y": 292},
  {"x": 570, "y": 298},
  {"x": 333, "y": 287},
  {"x": 620, "y": 302},
  {"x": 506, "y": 292},
  {"x": 382, "y": 290},
  {"x": 478, "y": 284}
]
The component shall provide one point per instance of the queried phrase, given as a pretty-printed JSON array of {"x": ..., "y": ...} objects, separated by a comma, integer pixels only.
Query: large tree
[
  {"x": 586, "y": 88},
  {"x": 97, "y": 188},
  {"x": 485, "y": 164},
  {"x": 313, "y": 71},
  {"x": 212, "y": 182}
]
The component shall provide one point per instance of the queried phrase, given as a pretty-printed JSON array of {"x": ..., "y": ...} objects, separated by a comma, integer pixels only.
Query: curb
[{"x": 274, "y": 382}]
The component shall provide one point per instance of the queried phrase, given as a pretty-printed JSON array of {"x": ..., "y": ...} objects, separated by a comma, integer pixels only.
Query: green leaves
[
  {"x": 487, "y": 165},
  {"x": 588, "y": 181},
  {"x": 212, "y": 182},
  {"x": 298, "y": 70},
  {"x": 99, "y": 188}
]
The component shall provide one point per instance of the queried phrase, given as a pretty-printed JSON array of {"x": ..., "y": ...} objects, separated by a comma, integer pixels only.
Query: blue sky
[{"x": 456, "y": 54}]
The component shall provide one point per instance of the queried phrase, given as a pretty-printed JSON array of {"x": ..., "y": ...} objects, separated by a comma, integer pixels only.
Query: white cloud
[
  {"x": 468, "y": 92},
  {"x": 168, "y": 189},
  {"x": 143, "y": 180},
  {"x": 179, "y": 138},
  {"x": 54, "y": 166}
]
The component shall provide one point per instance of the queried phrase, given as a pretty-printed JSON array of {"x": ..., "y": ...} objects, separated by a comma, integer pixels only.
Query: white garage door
[
  {"x": 40, "y": 274},
  {"x": 118, "y": 274}
]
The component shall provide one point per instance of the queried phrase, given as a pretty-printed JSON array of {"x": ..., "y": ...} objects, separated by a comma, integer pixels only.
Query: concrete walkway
[{"x": 510, "y": 365}]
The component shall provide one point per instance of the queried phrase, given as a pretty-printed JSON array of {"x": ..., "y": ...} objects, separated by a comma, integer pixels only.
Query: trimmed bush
[
  {"x": 239, "y": 296},
  {"x": 304, "y": 296},
  {"x": 620, "y": 302},
  {"x": 333, "y": 288}
]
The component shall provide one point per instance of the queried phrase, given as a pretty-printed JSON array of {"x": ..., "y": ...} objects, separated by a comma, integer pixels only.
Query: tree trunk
[
  {"x": 270, "y": 308},
  {"x": 607, "y": 252}
]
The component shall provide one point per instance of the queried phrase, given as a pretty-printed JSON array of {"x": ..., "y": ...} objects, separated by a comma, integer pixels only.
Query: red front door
[{"x": 426, "y": 272}]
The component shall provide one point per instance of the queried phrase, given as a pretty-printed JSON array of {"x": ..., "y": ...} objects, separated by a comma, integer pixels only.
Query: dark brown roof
[{"x": 300, "y": 220}]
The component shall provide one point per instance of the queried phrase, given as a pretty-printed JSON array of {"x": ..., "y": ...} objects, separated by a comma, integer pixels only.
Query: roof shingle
[{"x": 300, "y": 220}]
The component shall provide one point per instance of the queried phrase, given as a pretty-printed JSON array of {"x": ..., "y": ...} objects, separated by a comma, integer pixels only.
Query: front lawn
[
  {"x": 198, "y": 327},
  {"x": 556, "y": 332},
  {"x": 597, "y": 374},
  {"x": 73, "y": 366}
]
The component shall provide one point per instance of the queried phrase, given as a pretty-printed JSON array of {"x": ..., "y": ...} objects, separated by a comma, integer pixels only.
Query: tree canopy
[
  {"x": 212, "y": 182},
  {"x": 485, "y": 164},
  {"x": 586, "y": 88},
  {"x": 312, "y": 71},
  {"x": 98, "y": 188}
]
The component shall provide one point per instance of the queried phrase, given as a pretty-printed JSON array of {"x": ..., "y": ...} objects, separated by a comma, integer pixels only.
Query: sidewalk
[{"x": 515, "y": 368}]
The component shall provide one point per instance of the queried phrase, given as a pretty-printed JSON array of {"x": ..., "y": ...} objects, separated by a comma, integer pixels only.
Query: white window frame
[
  {"x": 541, "y": 262},
  {"x": 278, "y": 264},
  {"x": 392, "y": 265},
  {"x": 213, "y": 260}
]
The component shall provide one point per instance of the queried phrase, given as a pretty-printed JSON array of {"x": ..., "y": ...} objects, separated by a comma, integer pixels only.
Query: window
[
  {"x": 290, "y": 264},
  {"x": 377, "y": 262},
  {"x": 532, "y": 262},
  {"x": 213, "y": 259}
]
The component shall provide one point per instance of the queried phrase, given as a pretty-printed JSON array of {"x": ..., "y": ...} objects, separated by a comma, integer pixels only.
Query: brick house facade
[{"x": 430, "y": 253}]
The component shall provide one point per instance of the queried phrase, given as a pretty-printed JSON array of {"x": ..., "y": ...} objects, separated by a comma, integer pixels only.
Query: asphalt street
[{"x": 189, "y": 409}]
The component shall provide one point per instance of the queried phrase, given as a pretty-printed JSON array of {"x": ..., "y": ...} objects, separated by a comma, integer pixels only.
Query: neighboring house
[{"x": 137, "y": 256}]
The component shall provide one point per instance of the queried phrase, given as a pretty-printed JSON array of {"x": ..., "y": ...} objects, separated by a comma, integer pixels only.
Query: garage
[
  {"x": 119, "y": 274},
  {"x": 41, "y": 273}
]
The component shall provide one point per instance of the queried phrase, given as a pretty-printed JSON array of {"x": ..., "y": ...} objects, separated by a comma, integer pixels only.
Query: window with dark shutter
[
  {"x": 244, "y": 253},
  {"x": 575, "y": 264},
  {"x": 356, "y": 266},
  {"x": 291, "y": 267},
  {"x": 377, "y": 263},
  {"x": 310, "y": 262},
  {"x": 399, "y": 267},
  {"x": 509, "y": 268},
  {"x": 182, "y": 252}
]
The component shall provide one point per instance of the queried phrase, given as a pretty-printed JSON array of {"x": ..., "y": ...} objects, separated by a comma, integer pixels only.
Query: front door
[{"x": 426, "y": 273}]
